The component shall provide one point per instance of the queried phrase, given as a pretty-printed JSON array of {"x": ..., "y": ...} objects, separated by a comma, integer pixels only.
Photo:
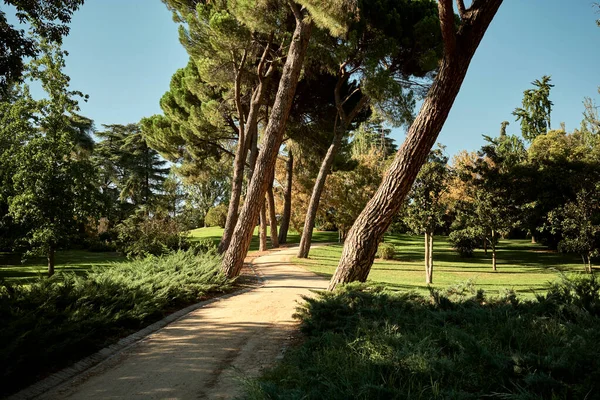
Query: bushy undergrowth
[
  {"x": 57, "y": 321},
  {"x": 464, "y": 241},
  {"x": 365, "y": 343}
]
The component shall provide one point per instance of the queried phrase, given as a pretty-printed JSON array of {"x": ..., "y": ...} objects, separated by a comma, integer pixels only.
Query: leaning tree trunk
[
  {"x": 287, "y": 200},
  {"x": 315, "y": 198},
  {"x": 236, "y": 193},
  {"x": 272, "y": 217},
  {"x": 459, "y": 46},
  {"x": 262, "y": 235},
  {"x": 233, "y": 259},
  {"x": 50, "y": 256}
]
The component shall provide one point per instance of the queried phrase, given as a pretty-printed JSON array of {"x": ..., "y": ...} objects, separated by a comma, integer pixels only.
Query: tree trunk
[
  {"x": 427, "y": 258},
  {"x": 287, "y": 200},
  {"x": 494, "y": 251},
  {"x": 459, "y": 46},
  {"x": 272, "y": 217},
  {"x": 533, "y": 241},
  {"x": 430, "y": 271},
  {"x": 262, "y": 235},
  {"x": 233, "y": 259},
  {"x": 313, "y": 205},
  {"x": 485, "y": 242},
  {"x": 236, "y": 193},
  {"x": 50, "y": 256}
]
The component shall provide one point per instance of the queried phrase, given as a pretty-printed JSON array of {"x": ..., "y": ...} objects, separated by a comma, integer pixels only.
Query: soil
[{"x": 209, "y": 352}]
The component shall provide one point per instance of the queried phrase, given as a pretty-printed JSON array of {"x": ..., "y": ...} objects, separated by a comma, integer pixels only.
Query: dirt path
[{"x": 205, "y": 353}]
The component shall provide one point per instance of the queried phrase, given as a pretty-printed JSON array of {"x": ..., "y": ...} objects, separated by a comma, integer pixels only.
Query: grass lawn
[
  {"x": 78, "y": 261},
  {"x": 215, "y": 233},
  {"x": 522, "y": 266}
]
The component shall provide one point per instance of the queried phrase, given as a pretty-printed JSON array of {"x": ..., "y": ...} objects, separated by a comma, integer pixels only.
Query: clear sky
[{"x": 123, "y": 53}]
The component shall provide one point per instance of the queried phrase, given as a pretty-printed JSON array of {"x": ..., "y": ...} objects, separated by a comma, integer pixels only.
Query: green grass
[
  {"x": 522, "y": 266},
  {"x": 53, "y": 322},
  {"x": 215, "y": 233},
  {"x": 14, "y": 269}
]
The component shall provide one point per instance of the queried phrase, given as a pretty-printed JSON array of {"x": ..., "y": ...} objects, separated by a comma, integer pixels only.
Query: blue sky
[{"x": 123, "y": 53}]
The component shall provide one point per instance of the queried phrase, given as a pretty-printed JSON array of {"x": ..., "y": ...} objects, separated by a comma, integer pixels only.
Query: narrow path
[{"x": 206, "y": 353}]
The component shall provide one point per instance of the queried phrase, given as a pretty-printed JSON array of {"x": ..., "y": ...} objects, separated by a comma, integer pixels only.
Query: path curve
[{"x": 205, "y": 353}]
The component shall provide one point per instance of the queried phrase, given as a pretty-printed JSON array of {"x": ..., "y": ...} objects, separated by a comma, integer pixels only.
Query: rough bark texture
[
  {"x": 50, "y": 261},
  {"x": 233, "y": 259},
  {"x": 313, "y": 205},
  {"x": 272, "y": 216},
  {"x": 287, "y": 200},
  {"x": 263, "y": 229},
  {"x": 459, "y": 46}
]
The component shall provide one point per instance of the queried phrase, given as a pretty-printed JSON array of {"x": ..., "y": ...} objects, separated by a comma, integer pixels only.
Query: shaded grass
[
  {"x": 53, "y": 322},
  {"x": 14, "y": 269},
  {"x": 368, "y": 343},
  {"x": 522, "y": 266}
]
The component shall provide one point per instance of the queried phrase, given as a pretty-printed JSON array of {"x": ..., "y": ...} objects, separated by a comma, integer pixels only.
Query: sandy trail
[{"x": 205, "y": 353}]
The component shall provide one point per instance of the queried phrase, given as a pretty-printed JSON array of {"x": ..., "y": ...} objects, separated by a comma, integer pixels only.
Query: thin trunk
[
  {"x": 313, "y": 205},
  {"x": 272, "y": 216},
  {"x": 233, "y": 259},
  {"x": 459, "y": 47},
  {"x": 430, "y": 271},
  {"x": 427, "y": 258},
  {"x": 485, "y": 242},
  {"x": 263, "y": 228},
  {"x": 236, "y": 193},
  {"x": 287, "y": 200},
  {"x": 50, "y": 256},
  {"x": 533, "y": 241},
  {"x": 493, "y": 243}
]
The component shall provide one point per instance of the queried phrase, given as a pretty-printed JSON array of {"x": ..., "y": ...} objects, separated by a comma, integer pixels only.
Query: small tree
[
  {"x": 536, "y": 110},
  {"x": 54, "y": 184},
  {"x": 426, "y": 208},
  {"x": 578, "y": 222}
]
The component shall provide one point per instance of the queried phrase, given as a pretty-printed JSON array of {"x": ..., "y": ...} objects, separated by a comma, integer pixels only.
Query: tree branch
[
  {"x": 295, "y": 10},
  {"x": 446, "y": 12},
  {"x": 462, "y": 11}
]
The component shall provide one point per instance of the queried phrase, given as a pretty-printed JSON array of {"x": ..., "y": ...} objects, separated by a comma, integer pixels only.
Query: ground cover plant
[
  {"x": 523, "y": 267},
  {"x": 53, "y": 322},
  {"x": 367, "y": 343}
]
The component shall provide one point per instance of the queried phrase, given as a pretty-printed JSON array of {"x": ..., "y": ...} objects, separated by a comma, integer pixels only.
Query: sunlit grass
[{"x": 522, "y": 266}]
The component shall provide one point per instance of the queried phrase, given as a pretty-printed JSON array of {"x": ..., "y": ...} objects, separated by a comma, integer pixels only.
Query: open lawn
[
  {"x": 522, "y": 266},
  {"x": 14, "y": 269}
]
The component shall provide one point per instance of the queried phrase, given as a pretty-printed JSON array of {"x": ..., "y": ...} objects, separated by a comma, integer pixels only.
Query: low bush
[
  {"x": 140, "y": 236},
  {"x": 216, "y": 216},
  {"x": 387, "y": 251},
  {"x": 56, "y": 321},
  {"x": 464, "y": 241},
  {"x": 366, "y": 343}
]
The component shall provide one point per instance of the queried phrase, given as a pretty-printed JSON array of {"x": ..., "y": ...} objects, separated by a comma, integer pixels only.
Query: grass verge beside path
[
  {"x": 53, "y": 322},
  {"x": 522, "y": 266},
  {"x": 366, "y": 343}
]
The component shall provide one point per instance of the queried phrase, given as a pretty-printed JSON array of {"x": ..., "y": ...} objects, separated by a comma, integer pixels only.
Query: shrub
[
  {"x": 216, "y": 216},
  {"x": 387, "y": 251},
  {"x": 367, "y": 343},
  {"x": 464, "y": 241},
  {"x": 54, "y": 322},
  {"x": 140, "y": 236}
]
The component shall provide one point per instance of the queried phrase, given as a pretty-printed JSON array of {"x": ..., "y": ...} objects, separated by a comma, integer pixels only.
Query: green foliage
[
  {"x": 216, "y": 216},
  {"x": 387, "y": 251},
  {"x": 54, "y": 322},
  {"x": 365, "y": 343},
  {"x": 536, "y": 110},
  {"x": 465, "y": 241},
  {"x": 141, "y": 235}
]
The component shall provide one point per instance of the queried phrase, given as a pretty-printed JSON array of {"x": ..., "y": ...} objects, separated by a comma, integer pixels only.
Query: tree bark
[
  {"x": 430, "y": 271},
  {"x": 272, "y": 215},
  {"x": 315, "y": 198},
  {"x": 50, "y": 256},
  {"x": 233, "y": 259},
  {"x": 287, "y": 200},
  {"x": 459, "y": 46},
  {"x": 263, "y": 228}
]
